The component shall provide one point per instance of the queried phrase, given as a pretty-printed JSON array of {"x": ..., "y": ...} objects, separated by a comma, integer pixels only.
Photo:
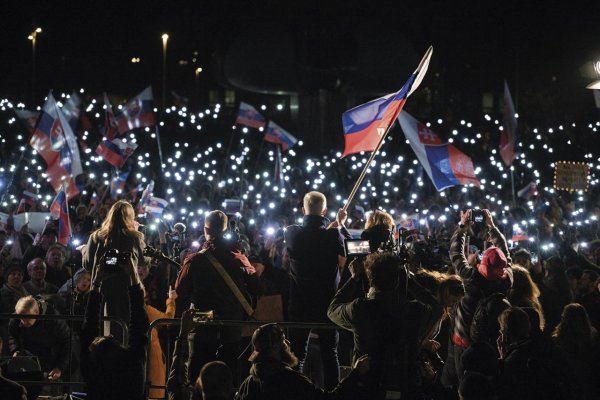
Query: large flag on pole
[
  {"x": 445, "y": 164},
  {"x": 137, "y": 113},
  {"x": 60, "y": 211},
  {"x": 27, "y": 203},
  {"x": 508, "y": 138},
  {"x": 117, "y": 184},
  {"x": 278, "y": 135},
  {"x": 364, "y": 125},
  {"x": 72, "y": 110},
  {"x": 249, "y": 116},
  {"x": 56, "y": 143},
  {"x": 156, "y": 206}
]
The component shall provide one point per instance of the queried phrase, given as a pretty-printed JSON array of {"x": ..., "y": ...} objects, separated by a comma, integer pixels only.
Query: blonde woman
[
  {"x": 378, "y": 229},
  {"x": 118, "y": 231}
]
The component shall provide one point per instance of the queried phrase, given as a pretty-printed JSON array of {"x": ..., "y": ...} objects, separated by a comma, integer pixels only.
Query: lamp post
[
  {"x": 165, "y": 38},
  {"x": 33, "y": 37},
  {"x": 197, "y": 72}
]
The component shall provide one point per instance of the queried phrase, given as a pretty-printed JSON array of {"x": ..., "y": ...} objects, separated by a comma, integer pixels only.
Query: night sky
[{"x": 537, "y": 46}]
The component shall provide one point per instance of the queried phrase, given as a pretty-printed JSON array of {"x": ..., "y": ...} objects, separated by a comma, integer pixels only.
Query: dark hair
[
  {"x": 475, "y": 386},
  {"x": 215, "y": 379},
  {"x": 515, "y": 323},
  {"x": 382, "y": 270},
  {"x": 593, "y": 274},
  {"x": 574, "y": 272},
  {"x": 522, "y": 253}
]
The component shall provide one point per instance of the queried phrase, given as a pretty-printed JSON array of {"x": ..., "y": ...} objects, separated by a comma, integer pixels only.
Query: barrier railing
[
  {"x": 72, "y": 318},
  {"x": 224, "y": 323}
]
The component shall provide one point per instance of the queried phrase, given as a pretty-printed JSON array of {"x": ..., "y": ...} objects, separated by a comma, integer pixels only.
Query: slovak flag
[
  {"x": 249, "y": 116},
  {"x": 146, "y": 195},
  {"x": 60, "y": 211},
  {"x": 278, "y": 135},
  {"x": 72, "y": 110},
  {"x": 116, "y": 151},
  {"x": 508, "y": 138},
  {"x": 28, "y": 118},
  {"x": 364, "y": 125},
  {"x": 117, "y": 185},
  {"x": 137, "y": 113},
  {"x": 519, "y": 233},
  {"x": 53, "y": 138},
  {"x": 27, "y": 203},
  {"x": 445, "y": 164},
  {"x": 156, "y": 206}
]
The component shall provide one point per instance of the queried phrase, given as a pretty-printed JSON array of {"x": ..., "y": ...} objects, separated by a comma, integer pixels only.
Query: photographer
[
  {"x": 386, "y": 324},
  {"x": 110, "y": 370},
  {"x": 118, "y": 231},
  {"x": 487, "y": 283}
]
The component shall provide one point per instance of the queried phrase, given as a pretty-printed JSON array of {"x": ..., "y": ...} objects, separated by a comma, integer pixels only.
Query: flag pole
[
  {"x": 366, "y": 167},
  {"x": 512, "y": 183},
  {"x": 160, "y": 155},
  {"x": 228, "y": 151},
  {"x": 68, "y": 214}
]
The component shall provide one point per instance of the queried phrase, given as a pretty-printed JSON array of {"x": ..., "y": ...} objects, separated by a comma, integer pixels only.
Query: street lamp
[
  {"x": 33, "y": 37},
  {"x": 165, "y": 38}
]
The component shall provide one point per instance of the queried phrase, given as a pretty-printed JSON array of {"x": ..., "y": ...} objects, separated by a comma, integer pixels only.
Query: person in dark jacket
[
  {"x": 272, "y": 377},
  {"x": 378, "y": 228},
  {"x": 385, "y": 324},
  {"x": 200, "y": 283},
  {"x": 111, "y": 370},
  {"x": 316, "y": 252},
  {"x": 492, "y": 275}
]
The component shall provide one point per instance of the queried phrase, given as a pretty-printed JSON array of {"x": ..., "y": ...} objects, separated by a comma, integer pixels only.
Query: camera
[
  {"x": 113, "y": 260},
  {"x": 356, "y": 247},
  {"x": 477, "y": 216},
  {"x": 202, "y": 316}
]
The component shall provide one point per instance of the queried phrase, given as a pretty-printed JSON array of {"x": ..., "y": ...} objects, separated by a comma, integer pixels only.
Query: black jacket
[
  {"x": 125, "y": 379},
  {"x": 313, "y": 251},
  {"x": 476, "y": 286},
  {"x": 46, "y": 339},
  {"x": 384, "y": 323},
  {"x": 274, "y": 380}
]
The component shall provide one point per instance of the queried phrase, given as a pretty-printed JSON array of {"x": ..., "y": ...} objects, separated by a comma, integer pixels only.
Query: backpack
[{"x": 485, "y": 326}]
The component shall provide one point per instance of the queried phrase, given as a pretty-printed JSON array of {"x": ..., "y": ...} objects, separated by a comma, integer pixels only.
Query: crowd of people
[{"x": 448, "y": 308}]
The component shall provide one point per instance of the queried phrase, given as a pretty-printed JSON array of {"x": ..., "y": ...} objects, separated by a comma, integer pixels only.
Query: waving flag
[
  {"x": 519, "y": 234},
  {"x": 137, "y": 113},
  {"x": 28, "y": 118},
  {"x": 116, "y": 151},
  {"x": 249, "y": 116},
  {"x": 528, "y": 191},
  {"x": 60, "y": 211},
  {"x": 72, "y": 110},
  {"x": 508, "y": 138},
  {"x": 27, "y": 203},
  {"x": 117, "y": 184},
  {"x": 146, "y": 195},
  {"x": 445, "y": 164},
  {"x": 54, "y": 140},
  {"x": 366, "y": 124},
  {"x": 156, "y": 206},
  {"x": 276, "y": 134}
]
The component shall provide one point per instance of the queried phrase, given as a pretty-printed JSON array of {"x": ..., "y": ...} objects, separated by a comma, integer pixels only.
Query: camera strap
[{"x": 229, "y": 282}]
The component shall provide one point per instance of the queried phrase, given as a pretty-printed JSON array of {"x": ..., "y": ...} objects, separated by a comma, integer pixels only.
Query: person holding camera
[
  {"x": 475, "y": 317},
  {"x": 111, "y": 370},
  {"x": 119, "y": 236},
  {"x": 386, "y": 324}
]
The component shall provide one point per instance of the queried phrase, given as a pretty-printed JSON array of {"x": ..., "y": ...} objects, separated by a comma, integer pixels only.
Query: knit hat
[
  {"x": 493, "y": 264},
  {"x": 263, "y": 339}
]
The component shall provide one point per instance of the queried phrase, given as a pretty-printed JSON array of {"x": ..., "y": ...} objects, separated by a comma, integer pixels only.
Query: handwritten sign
[{"x": 571, "y": 176}]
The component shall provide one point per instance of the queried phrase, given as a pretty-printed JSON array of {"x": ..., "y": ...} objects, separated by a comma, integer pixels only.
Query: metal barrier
[
  {"x": 72, "y": 318},
  {"x": 224, "y": 323}
]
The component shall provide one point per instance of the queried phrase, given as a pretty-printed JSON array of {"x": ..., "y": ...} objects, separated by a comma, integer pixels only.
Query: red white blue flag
[
  {"x": 137, "y": 113},
  {"x": 156, "y": 206},
  {"x": 27, "y": 203},
  {"x": 146, "y": 195},
  {"x": 364, "y": 125},
  {"x": 519, "y": 234},
  {"x": 278, "y": 135},
  {"x": 445, "y": 164},
  {"x": 117, "y": 185},
  {"x": 508, "y": 138},
  {"x": 53, "y": 138},
  {"x": 112, "y": 149},
  {"x": 249, "y": 116},
  {"x": 60, "y": 211}
]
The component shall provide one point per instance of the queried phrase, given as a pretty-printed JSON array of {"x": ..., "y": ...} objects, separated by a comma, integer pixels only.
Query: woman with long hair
[
  {"x": 525, "y": 293},
  {"x": 117, "y": 232},
  {"x": 576, "y": 339},
  {"x": 378, "y": 229}
]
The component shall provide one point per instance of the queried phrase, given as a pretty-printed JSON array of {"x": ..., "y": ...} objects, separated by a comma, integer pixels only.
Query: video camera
[
  {"x": 113, "y": 260},
  {"x": 356, "y": 247}
]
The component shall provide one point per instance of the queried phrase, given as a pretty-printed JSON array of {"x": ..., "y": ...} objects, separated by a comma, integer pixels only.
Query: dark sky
[{"x": 90, "y": 43}]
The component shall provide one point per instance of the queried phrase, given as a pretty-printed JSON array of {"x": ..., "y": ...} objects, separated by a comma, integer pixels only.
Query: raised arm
[
  {"x": 496, "y": 236},
  {"x": 457, "y": 247}
]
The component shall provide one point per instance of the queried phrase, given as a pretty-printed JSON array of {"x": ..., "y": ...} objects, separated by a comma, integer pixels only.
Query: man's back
[{"x": 313, "y": 252}]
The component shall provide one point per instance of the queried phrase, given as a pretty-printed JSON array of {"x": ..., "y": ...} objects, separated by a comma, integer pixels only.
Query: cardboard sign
[{"x": 571, "y": 176}]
